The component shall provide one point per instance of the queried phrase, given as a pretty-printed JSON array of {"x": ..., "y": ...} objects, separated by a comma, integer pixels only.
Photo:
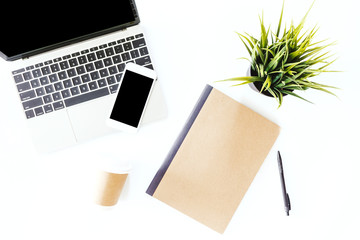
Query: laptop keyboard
[{"x": 79, "y": 77}]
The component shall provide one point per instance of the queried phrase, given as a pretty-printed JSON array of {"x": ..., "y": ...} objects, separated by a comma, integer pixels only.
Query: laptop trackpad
[
  {"x": 52, "y": 131},
  {"x": 89, "y": 119}
]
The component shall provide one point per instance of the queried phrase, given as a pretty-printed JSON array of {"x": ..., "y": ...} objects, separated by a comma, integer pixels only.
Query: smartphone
[{"x": 134, "y": 92}]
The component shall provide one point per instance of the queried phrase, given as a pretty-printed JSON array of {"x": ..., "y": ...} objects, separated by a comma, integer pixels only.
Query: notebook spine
[{"x": 195, "y": 112}]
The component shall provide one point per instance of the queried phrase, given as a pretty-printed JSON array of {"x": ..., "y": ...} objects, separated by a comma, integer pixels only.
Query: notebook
[
  {"x": 214, "y": 159},
  {"x": 67, "y": 61}
]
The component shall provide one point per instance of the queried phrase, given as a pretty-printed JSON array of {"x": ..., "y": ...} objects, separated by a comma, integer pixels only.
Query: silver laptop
[{"x": 67, "y": 61}]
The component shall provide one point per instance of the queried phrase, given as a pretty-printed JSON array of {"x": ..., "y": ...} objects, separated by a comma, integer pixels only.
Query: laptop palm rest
[
  {"x": 52, "y": 131},
  {"x": 66, "y": 127}
]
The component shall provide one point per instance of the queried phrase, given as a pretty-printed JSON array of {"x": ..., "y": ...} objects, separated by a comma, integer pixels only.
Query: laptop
[{"x": 67, "y": 61}]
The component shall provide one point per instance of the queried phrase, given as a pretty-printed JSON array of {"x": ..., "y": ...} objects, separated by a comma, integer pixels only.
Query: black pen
[{"x": 282, "y": 179}]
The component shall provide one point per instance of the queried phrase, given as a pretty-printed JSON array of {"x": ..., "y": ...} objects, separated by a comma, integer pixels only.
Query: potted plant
[{"x": 283, "y": 63}]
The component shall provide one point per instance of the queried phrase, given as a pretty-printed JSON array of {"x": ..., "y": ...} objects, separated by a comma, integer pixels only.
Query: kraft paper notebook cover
[{"x": 214, "y": 160}]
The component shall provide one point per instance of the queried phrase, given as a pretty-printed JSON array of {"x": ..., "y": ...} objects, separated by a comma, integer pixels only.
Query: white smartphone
[{"x": 135, "y": 88}]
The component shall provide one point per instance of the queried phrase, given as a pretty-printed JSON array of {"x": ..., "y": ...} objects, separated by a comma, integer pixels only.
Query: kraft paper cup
[
  {"x": 111, "y": 181},
  {"x": 111, "y": 187}
]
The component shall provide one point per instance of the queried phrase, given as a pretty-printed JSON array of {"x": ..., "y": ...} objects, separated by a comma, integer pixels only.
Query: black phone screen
[{"x": 131, "y": 99}]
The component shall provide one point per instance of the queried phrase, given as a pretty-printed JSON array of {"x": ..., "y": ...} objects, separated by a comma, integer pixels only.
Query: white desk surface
[{"x": 193, "y": 43}]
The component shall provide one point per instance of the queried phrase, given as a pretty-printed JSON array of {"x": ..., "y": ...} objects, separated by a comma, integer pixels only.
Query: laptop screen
[{"x": 32, "y": 27}]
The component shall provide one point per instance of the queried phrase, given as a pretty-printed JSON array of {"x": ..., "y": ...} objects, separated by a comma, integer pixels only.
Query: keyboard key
[
  {"x": 64, "y": 65},
  {"x": 101, "y": 83},
  {"x": 114, "y": 88},
  {"x": 36, "y": 73},
  {"x": 27, "y": 75},
  {"x": 149, "y": 66},
  {"x": 47, "y": 99},
  {"x": 118, "y": 49},
  {"x": 104, "y": 73},
  {"x": 40, "y": 91},
  {"x": 143, "y": 61},
  {"x": 66, "y": 57},
  {"x": 67, "y": 83},
  {"x": 108, "y": 62},
  {"x": 85, "y": 51},
  {"x": 39, "y": 65},
  {"x": 91, "y": 57},
  {"x": 58, "y": 105},
  {"x": 143, "y": 51},
  {"x": 18, "y": 78},
  {"x": 56, "y": 96},
  {"x": 29, "y": 114},
  {"x": 100, "y": 54},
  {"x": 127, "y": 46},
  {"x": 94, "y": 75},
  {"x": 62, "y": 75},
  {"x": 85, "y": 78},
  {"x": 73, "y": 62},
  {"x": 76, "y": 81},
  {"x": 111, "y": 80},
  {"x": 80, "y": 70},
  {"x": 118, "y": 77},
  {"x": 135, "y": 54},
  {"x": 109, "y": 52},
  {"x": 74, "y": 91},
  {"x": 112, "y": 70},
  {"x": 103, "y": 46},
  {"x": 139, "y": 43},
  {"x": 75, "y": 55},
  {"x": 125, "y": 56},
  {"x": 65, "y": 93},
  {"x": 82, "y": 60},
  {"x": 85, "y": 97},
  {"x": 121, "y": 67},
  {"x": 58, "y": 86},
  {"x": 49, "y": 89},
  {"x": 89, "y": 67},
  {"x": 71, "y": 72},
  {"x": 29, "y": 68},
  {"x": 48, "y": 108},
  {"x": 55, "y": 67},
  {"x": 99, "y": 64},
  {"x": 44, "y": 80},
  {"x": 27, "y": 95},
  {"x": 35, "y": 83},
  {"x": 39, "y": 111},
  {"x": 84, "y": 88},
  {"x": 93, "y": 85},
  {"x": 130, "y": 38},
  {"x": 45, "y": 70},
  {"x": 21, "y": 70},
  {"x": 117, "y": 59},
  {"x": 53, "y": 78},
  {"x": 23, "y": 86},
  {"x": 32, "y": 103}
]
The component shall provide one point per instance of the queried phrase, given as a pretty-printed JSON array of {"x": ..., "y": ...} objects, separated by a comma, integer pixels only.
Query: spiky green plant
[{"x": 284, "y": 63}]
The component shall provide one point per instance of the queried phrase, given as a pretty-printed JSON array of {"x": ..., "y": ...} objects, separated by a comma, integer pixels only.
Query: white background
[{"x": 193, "y": 43}]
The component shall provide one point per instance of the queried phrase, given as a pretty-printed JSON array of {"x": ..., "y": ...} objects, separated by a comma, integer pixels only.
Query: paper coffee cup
[
  {"x": 111, "y": 180},
  {"x": 110, "y": 188}
]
